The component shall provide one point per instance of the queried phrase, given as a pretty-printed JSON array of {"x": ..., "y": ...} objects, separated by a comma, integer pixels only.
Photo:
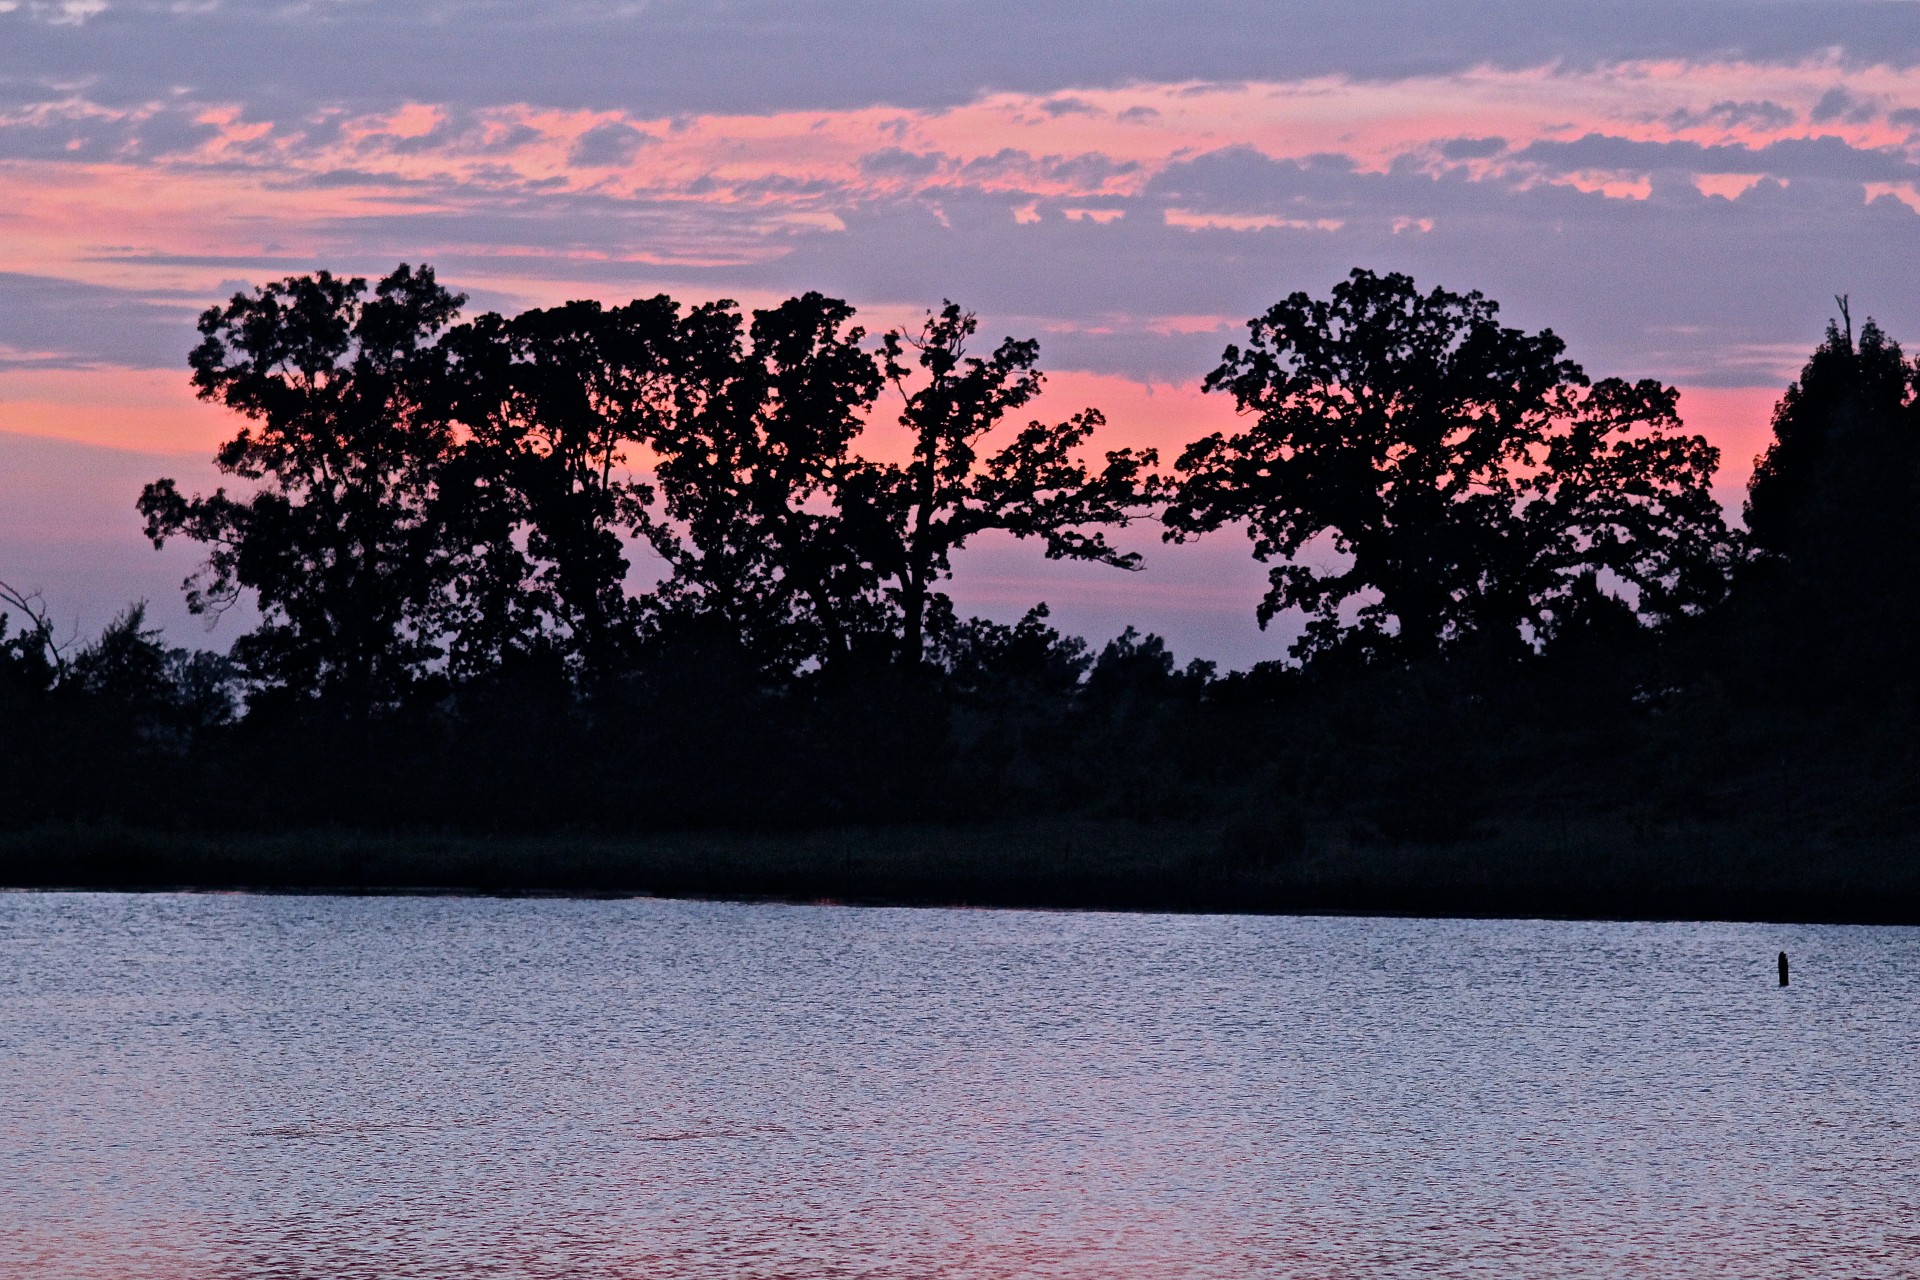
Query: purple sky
[{"x": 1679, "y": 189}]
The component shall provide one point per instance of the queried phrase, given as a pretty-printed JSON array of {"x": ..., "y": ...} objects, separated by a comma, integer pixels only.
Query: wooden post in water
[{"x": 1783, "y": 968}]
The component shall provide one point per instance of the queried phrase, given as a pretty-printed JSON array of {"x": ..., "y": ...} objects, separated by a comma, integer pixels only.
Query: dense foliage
[
  {"x": 1476, "y": 486},
  {"x": 1517, "y": 588}
]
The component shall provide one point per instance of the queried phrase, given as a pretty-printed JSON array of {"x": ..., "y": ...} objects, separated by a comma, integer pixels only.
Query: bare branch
[{"x": 32, "y": 607}]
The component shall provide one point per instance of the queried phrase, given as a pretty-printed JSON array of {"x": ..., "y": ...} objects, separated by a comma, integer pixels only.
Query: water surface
[{"x": 256, "y": 1086}]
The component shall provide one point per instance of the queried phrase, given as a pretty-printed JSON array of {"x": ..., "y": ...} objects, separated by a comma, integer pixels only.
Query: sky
[{"x": 1678, "y": 188}]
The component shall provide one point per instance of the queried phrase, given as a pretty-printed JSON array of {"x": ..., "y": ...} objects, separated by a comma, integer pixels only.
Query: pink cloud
[{"x": 742, "y": 182}]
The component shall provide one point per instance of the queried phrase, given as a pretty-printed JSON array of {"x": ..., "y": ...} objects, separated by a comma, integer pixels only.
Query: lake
[{"x": 200, "y": 1086}]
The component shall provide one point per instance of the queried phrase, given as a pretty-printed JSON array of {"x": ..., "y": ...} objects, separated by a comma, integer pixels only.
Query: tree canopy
[
  {"x": 1843, "y": 449},
  {"x": 345, "y": 428},
  {"x": 1425, "y": 477},
  {"x": 431, "y": 500},
  {"x": 911, "y": 517},
  {"x": 1833, "y": 515},
  {"x": 539, "y": 497}
]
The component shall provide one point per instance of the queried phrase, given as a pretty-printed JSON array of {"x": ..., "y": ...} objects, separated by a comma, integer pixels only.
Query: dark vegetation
[{"x": 1538, "y": 672}]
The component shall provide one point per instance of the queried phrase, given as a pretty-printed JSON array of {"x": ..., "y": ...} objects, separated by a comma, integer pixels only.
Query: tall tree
[
  {"x": 1425, "y": 475},
  {"x": 1833, "y": 512},
  {"x": 345, "y": 431},
  {"x": 540, "y": 494},
  {"x": 910, "y": 518},
  {"x": 745, "y": 473},
  {"x": 1842, "y": 434}
]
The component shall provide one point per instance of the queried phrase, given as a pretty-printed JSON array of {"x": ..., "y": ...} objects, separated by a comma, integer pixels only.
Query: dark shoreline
[{"x": 1601, "y": 871}]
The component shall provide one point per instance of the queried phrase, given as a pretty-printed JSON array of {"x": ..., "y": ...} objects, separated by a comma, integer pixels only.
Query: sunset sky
[{"x": 1677, "y": 188}]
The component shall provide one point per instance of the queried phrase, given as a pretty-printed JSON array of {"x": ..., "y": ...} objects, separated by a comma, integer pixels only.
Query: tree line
[
  {"x": 432, "y": 502},
  {"x": 436, "y": 519}
]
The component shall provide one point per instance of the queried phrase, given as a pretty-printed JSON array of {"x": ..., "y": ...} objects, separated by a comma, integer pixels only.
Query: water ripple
[{"x": 391, "y": 1088}]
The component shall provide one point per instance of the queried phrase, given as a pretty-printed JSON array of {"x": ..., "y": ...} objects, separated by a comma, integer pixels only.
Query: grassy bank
[{"x": 1601, "y": 868}]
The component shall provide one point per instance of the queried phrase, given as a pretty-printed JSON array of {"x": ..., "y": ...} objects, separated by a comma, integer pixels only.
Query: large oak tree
[
  {"x": 344, "y": 432},
  {"x": 1424, "y": 476}
]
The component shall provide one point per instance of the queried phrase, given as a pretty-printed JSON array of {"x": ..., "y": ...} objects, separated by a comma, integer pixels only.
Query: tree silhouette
[
  {"x": 436, "y": 501},
  {"x": 33, "y": 658},
  {"x": 1841, "y": 434},
  {"x": 1833, "y": 513},
  {"x": 747, "y": 466},
  {"x": 1453, "y": 478},
  {"x": 910, "y": 518},
  {"x": 345, "y": 432},
  {"x": 150, "y": 692},
  {"x": 1024, "y": 663},
  {"x": 1618, "y": 490},
  {"x": 539, "y": 497}
]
